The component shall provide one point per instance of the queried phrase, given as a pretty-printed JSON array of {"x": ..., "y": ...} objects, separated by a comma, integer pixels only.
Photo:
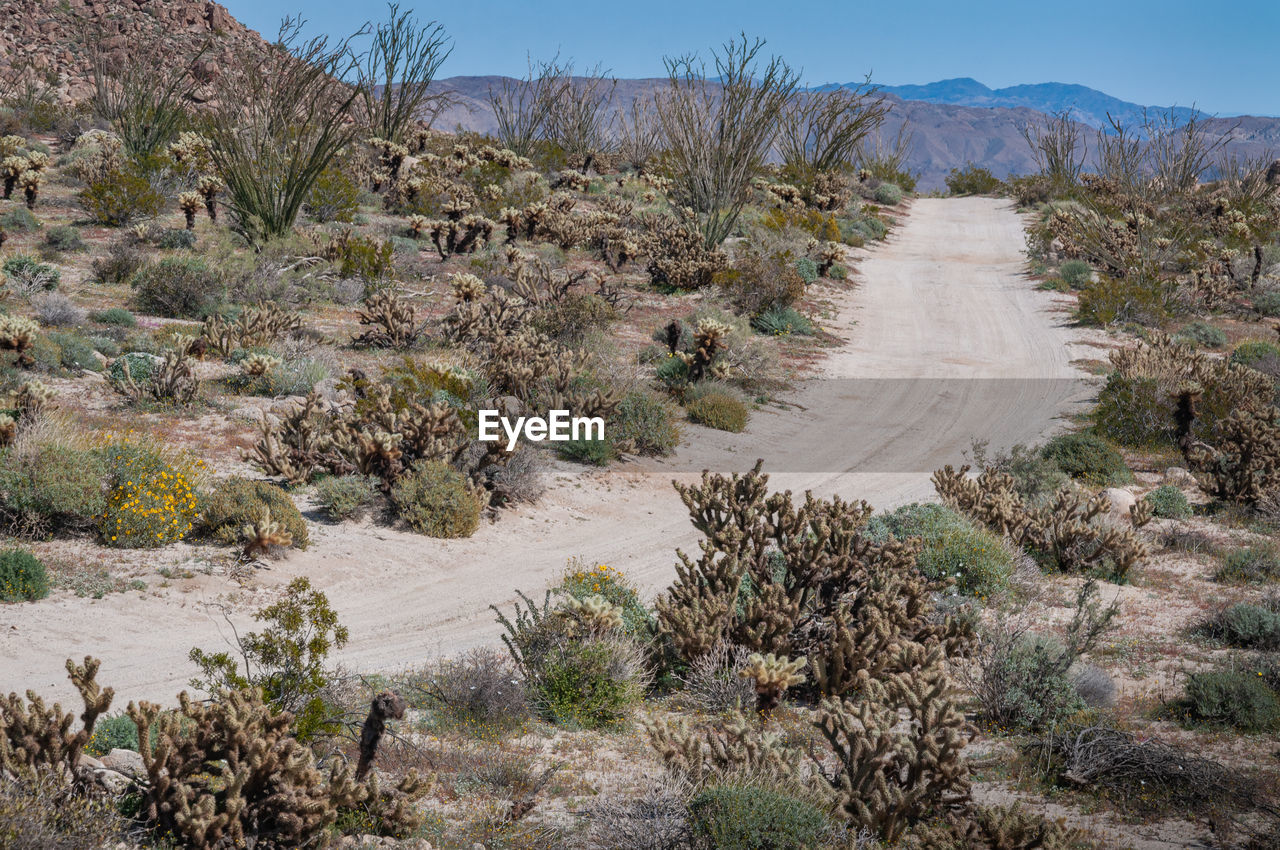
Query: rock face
[{"x": 47, "y": 41}]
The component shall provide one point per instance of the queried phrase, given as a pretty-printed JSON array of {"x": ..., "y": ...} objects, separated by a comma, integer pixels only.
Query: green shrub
[
  {"x": 1250, "y": 564},
  {"x": 1169, "y": 502},
  {"x": 1087, "y": 457},
  {"x": 973, "y": 180},
  {"x": 113, "y": 732},
  {"x": 235, "y": 502},
  {"x": 345, "y": 497},
  {"x": 75, "y": 351},
  {"x": 64, "y": 237},
  {"x": 52, "y": 489},
  {"x": 581, "y": 581},
  {"x": 952, "y": 546},
  {"x": 1035, "y": 478},
  {"x": 119, "y": 264},
  {"x": 1268, "y": 303},
  {"x": 1076, "y": 273},
  {"x": 644, "y": 424},
  {"x": 1134, "y": 412},
  {"x": 151, "y": 498},
  {"x": 888, "y": 194},
  {"x": 177, "y": 238},
  {"x": 18, "y": 220},
  {"x": 1247, "y": 626},
  {"x": 1025, "y": 684},
  {"x": 754, "y": 817},
  {"x": 1145, "y": 301},
  {"x": 589, "y": 451},
  {"x": 120, "y": 197},
  {"x": 1204, "y": 334},
  {"x": 1238, "y": 699},
  {"x": 782, "y": 321},
  {"x": 1254, "y": 352},
  {"x": 333, "y": 197},
  {"x": 179, "y": 287},
  {"x": 762, "y": 279},
  {"x": 22, "y": 576},
  {"x": 718, "y": 410},
  {"x": 588, "y": 683},
  {"x": 807, "y": 269},
  {"x": 437, "y": 500},
  {"x": 575, "y": 315},
  {"x": 141, "y": 367},
  {"x": 117, "y": 316},
  {"x": 27, "y": 275},
  {"x": 105, "y": 345}
]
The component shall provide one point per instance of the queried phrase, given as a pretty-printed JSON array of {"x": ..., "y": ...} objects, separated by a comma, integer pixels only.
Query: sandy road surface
[{"x": 946, "y": 341}]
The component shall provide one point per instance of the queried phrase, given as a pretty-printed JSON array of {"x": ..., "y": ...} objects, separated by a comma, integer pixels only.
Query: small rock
[
  {"x": 125, "y": 761},
  {"x": 112, "y": 781},
  {"x": 1120, "y": 500},
  {"x": 90, "y": 762},
  {"x": 1179, "y": 477}
]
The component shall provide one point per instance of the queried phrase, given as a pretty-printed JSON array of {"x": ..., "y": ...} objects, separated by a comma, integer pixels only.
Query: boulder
[
  {"x": 1120, "y": 500},
  {"x": 125, "y": 761}
]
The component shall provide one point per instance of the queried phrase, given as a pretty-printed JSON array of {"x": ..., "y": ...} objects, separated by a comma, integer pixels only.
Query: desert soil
[{"x": 944, "y": 340}]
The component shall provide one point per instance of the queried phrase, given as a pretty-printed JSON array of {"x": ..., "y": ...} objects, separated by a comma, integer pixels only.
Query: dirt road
[{"x": 946, "y": 341}]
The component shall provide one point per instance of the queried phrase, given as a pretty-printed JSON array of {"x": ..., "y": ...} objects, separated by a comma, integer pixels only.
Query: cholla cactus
[
  {"x": 257, "y": 365},
  {"x": 11, "y": 168},
  {"x": 708, "y": 341},
  {"x": 467, "y": 287},
  {"x": 595, "y": 613},
  {"x": 772, "y": 675},
  {"x": 11, "y": 146},
  {"x": 829, "y": 253},
  {"x": 265, "y": 536},
  {"x": 31, "y": 398},
  {"x": 37, "y": 161},
  {"x": 193, "y": 151},
  {"x": 30, "y": 182},
  {"x": 209, "y": 187},
  {"x": 417, "y": 224},
  {"x": 190, "y": 203},
  {"x": 8, "y": 429},
  {"x": 18, "y": 335},
  {"x": 35, "y": 737}
]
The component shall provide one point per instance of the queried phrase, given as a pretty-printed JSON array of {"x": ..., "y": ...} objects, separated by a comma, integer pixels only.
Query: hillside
[{"x": 46, "y": 41}]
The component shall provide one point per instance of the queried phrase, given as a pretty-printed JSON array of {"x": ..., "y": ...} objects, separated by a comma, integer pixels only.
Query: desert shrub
[
  {"x": 1253, "y": 352},
  {"x": 286, "y": 661},
  {"x": 75, "y": 352},
  {"x": 1134, "y": 411},
  {"x": 288, "y": 376},
  {"x": 119, "y": 264},
  {"x": 752, "y": 817},
  {"x": 19, "y": 220},
  {"x": 807, "y": 269},
  {"x": 64, "y": 237},
  {"x": 588, "y": 683},
  {"x": 572, "y": 317},
  {"x": 151, "y": 499},
  {"x": 1238, "y": 699},
  {"x": 718, "y": 410},
  {"x": 478, "y": 693},
  {"x": 1025, "y": 684},
  {"x": 1268, "y": 303},
  {"x": 112, "y": 732},
  {"x": 53, "y": 309},
  {"x": 234, "y": 503},
  {"x": 952, "y": 547},
  {"x": 117, "y": 316},
  {"x": 1075, "y": 272},
  {"x": 121, "y": 196},
  {"x": 180, "y": 287},
  {"x": 1146, "y": 301},
  {"x": 42, "y": 813},
  {"x": 345, "y": 497},
  {"x": 1169, "y": 502},
  {"x": 580, "y": 581},
  {"x": 333, "y": 197},
  {"x": 972, "y": 180},
  {"x": 711, "y": 682},
  {"x": 761, "y": 280},
  {"x": 437, "y": 500},
  {"x": 1035, "y": 477},
  {"x": 858, "y": 231},
  {"x": 782, "y": 321},
  {"x": 1087, "y": 457},
  {"x": 52, "y": 488},
  {"x": 521, "y": 479},
  {"x": 141, "y": 367},
  {"x": 1094, "y": 685},
  {"x": 888, "y": 194},
  {"x": 22, "y": 576},
  {"x": 104, "y": 345},
  {"x": 27, "y": 275},
  {"x": 176, "y": 239},
  {"x": 1247, "y": 626},
  {"x": 1203, "y": 333},
  {"x": 1250, "y": 564},
  {"x": 644, "y": 424},
  {"x": 591, "y": 451}
]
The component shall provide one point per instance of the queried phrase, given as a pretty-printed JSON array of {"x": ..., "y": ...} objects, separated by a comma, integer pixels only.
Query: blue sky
[{"x": 1221, "y": 57}]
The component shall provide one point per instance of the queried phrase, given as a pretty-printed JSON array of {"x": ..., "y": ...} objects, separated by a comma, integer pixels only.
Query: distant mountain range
[{"x": 952, "y": 122}]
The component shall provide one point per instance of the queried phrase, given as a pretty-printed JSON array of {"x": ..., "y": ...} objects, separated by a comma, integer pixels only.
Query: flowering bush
[
  {"x": 581, "y": 580},
  {"x": 151, "y": 500}
]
